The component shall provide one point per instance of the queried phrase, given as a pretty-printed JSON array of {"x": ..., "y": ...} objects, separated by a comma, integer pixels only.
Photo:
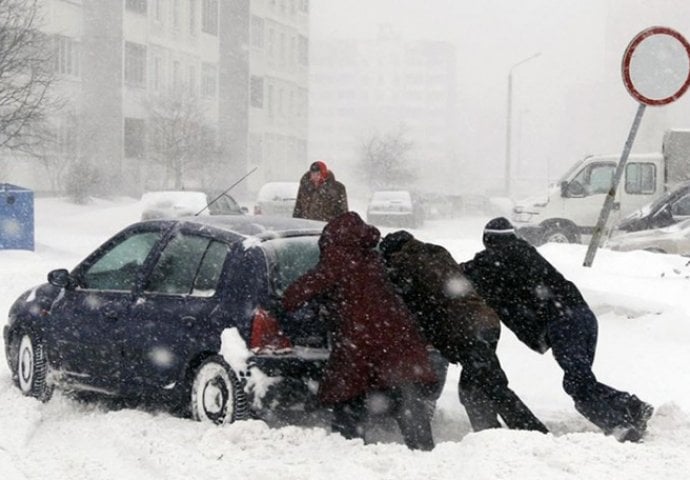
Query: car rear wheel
[
  {"x": 32, "y": 368},
  {"x": 217, "y": 395}
]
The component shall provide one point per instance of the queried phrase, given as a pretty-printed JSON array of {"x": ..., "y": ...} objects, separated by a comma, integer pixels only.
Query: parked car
[
  {"x": 670, "y": 208},
  {"x": 146, "y": 315},
  {"x": 672, "y": 239},
  {"x": 276, "y": 198},
  {"x": 183, "y": 203},
  {"x": 398, "y": 208}
]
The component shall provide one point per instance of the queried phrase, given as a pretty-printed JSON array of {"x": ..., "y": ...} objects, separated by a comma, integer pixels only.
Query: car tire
[
  {"x": 216, "y": 393},
  {"x": 32, "y": 367},
  {"x": 559, "y": 234}
]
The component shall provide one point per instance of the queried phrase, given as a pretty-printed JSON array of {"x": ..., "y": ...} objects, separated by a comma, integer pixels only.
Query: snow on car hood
[{"x": 541, "y": 199}]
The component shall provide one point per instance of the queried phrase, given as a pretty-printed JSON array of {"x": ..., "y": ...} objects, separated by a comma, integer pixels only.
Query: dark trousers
[
  {"x": 409, "y": 410},
  {"x": 483, "y": 389},
  {"x": 573, "y": 336}
]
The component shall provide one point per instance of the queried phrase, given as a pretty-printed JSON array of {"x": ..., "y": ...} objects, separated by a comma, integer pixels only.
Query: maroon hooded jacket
[{"x": 376, "y": 344}]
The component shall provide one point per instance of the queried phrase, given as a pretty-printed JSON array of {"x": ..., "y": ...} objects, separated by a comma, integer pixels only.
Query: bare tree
[
  {"x": 26, "y": 75},
  {"x": 179, "y": 138},
  {"x": 385, "y": 159}
]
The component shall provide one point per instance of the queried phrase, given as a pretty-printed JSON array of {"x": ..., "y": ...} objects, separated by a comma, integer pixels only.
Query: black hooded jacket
[{"x": 522, "y": 286}]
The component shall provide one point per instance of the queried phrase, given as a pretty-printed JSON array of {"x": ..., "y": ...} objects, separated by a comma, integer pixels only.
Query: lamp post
[{"x": 509, "y": 115}]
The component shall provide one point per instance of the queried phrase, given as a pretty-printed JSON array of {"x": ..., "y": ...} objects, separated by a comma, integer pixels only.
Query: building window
[
  {"x": 66, "y": 55},
  {"x": 192, "y": 17},
  {"x": 208, "y": 80},
  {"x": 282, "y": 47},
  {"x": 257, "y": 32},
  {"x": 192, "y": 79},
  {"x": 269, "y": 100},
  {"x": 135, "y": 63},
  {"x": 157, "y": 10},
  {"x": 271, "y": 42},
  {"x": 210, "y": 17},
  {"x": 176, "y": 13},
  {"x": 303, "y": 50},
  {"x": 138, "y": 6},
  {"x": 134, "y": 137},
  {"x": 157, "y": 73},
  {"x": 257, "y": 91},
  {"x": 176, "y": 75}
]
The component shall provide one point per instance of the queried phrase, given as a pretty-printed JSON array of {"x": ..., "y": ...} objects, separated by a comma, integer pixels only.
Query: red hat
[{"x": 319, "y": 167}]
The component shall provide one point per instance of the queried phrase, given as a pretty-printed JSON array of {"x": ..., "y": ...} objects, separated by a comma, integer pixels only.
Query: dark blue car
[{"x": 184, "y": 313}]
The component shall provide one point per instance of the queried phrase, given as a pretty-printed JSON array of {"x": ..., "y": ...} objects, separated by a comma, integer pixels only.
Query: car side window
[
  {"x": 117, "y": 269},
  {"x": 681, "y": 207},
  {"x": 597, "y": 178},
  {"x": 640, "y": 178},
  {"x": 206, "y": 280},
  {"x": 224, "y": 205},
  {"x": 187, "y": 260}
]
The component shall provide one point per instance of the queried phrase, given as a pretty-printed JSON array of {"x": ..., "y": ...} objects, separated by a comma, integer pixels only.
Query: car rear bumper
[
  {"x": 309, "y": 363},
  {"x": 304, "y": 362}
]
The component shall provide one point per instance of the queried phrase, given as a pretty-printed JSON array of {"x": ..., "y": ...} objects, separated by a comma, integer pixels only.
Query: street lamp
[{"x": 509, "y": 115}]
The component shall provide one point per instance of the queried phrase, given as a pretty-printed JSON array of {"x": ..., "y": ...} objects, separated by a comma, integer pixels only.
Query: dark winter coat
[
  {"x": 450, "y": 313},
  {"x": 460, "y": 325},
  {"x": 376, "y": 344},
  {"x": 522, "y": 286},
  {"x": 323, "y": 202}
]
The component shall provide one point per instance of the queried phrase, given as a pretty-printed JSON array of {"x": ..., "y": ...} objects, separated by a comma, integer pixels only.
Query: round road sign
[{"x": 656, "y": 66}]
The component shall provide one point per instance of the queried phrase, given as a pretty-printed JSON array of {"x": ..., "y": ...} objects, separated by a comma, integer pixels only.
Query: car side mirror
[
  {"x": 572, "y": 189},
  {"x": 60, "y": 278}
]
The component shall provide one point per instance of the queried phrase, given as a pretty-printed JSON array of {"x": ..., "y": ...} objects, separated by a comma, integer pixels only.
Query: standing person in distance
[
  {"x": 320, "y": 195},
  {"x": 545, "y": 310}
]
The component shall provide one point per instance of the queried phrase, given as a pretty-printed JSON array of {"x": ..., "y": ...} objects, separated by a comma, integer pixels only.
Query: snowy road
[{"x": 643, "y": 304}]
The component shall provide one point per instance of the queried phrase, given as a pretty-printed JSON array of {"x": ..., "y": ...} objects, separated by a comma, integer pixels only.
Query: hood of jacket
[{"x": 349, "y": 231}]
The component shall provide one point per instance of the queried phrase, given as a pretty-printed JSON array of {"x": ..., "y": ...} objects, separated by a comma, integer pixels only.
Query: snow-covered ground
[{"x": 642, "y": 301}]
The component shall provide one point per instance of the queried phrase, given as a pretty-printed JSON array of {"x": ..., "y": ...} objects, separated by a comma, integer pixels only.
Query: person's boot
[{"x": 638, "y": 413}]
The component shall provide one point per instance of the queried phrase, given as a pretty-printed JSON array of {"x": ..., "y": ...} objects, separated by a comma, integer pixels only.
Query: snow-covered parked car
[
  {"x": 398, "y": 208},
  {"x": 183, "y": 203},
  {"x": 276, "y": 198},
  {"x": 671, "y": 239},
  {"x": 182, "y": 313}
]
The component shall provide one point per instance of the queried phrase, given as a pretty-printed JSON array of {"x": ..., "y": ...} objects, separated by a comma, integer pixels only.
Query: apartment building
[
  {"x": 228, "y": 68},
  {"x": 363, "y": 87}
]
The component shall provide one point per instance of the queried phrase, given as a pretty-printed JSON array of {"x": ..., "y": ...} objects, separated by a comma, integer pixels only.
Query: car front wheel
[
  {"x": 559, "y": 234},
  {"x": 32, "y": 368},
  {"x": 217, "y": 395}
]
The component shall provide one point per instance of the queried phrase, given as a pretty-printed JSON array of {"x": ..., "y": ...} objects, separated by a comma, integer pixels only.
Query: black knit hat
[
  {"x": 498, "y": 231},
  {"x": 393, "y": 242},
  {"x": 499, "y": 225}
]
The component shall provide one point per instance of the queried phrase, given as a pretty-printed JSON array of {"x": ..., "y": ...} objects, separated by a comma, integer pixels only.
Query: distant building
[
  {"x": 362, "y": 87},
  {"x": 240, "y": 65}
]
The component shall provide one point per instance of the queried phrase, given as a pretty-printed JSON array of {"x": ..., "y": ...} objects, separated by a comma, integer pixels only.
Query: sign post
[{"x": 656, "y": 71}]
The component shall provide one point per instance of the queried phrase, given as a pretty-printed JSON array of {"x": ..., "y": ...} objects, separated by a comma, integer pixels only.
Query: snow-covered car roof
[
  {"x": 278, "y": 191},
  {"x": 175, "y": 203}
]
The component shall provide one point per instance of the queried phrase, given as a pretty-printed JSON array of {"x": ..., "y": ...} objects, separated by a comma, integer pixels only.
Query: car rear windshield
[{"x": 291, "y": 257}]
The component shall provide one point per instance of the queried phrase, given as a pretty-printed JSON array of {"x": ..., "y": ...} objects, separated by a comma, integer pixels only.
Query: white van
[{"x": 570, "y": 208}]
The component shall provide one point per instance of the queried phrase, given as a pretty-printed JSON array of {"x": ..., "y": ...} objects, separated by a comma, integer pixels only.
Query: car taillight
[{"x": 266, "y": 335}]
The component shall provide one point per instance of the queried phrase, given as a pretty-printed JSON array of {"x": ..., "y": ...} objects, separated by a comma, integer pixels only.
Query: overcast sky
[{"x": 580, "y": 43}]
